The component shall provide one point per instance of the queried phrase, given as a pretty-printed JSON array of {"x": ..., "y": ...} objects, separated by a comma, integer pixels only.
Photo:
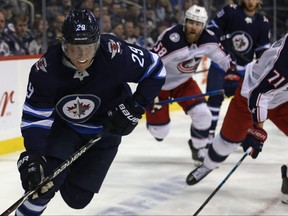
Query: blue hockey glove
[
  {"x": 231, "y": 81},
  {"x": 256, "y": 136},
  {"x": 31, "y": 167},
  {"x": 125, "y": 116}
]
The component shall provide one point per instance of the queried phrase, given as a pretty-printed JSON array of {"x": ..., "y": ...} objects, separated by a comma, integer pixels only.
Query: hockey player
[
  {"x": 244, "y": 32},
  {"x": 181, "y": 48},
  {"x": 262, "y": 95},
  {"x": 75, "y": 89}
]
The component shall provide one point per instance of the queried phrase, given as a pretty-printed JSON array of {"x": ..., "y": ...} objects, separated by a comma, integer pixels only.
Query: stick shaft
[
  {"x": 215, "y": 92},
  {"x": 55, "y": 173},
  {"x": 222, "y": 183}
]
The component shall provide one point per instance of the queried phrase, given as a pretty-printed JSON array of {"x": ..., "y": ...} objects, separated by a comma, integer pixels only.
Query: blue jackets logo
[{"x": 77, "y": 108}]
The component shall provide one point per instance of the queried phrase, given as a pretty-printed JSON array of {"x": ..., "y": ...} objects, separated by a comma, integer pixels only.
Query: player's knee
[
  {"x": 219, "y": 151},
  {"x": 201, "y": 116},
  {"x": 223, "y": 147},
  {"x": 75, "y": 197},
  {"x": 159, "y": 131}
]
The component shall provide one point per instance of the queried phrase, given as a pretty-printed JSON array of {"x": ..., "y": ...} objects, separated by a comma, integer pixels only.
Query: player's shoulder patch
[
  {"x": 112, "y": 45},
  {"x": 41, "y": 64},
  {"x": 174, "y": 37}
]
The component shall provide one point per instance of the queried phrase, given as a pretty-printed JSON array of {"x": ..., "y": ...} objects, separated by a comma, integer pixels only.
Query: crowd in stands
[{"x": 21, "y": 31}]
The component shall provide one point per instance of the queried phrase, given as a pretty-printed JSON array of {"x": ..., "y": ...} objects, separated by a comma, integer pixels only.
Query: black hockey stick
[
  {"x": 223, "y": 181},
  {"x": 214, "y": 92},
  {"x": 55, "y": 173}
]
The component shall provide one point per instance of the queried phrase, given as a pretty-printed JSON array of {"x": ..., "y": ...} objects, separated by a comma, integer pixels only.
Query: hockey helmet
[
  {"x": 80, "y": 27},
  {"x": 197, "y": 13}
]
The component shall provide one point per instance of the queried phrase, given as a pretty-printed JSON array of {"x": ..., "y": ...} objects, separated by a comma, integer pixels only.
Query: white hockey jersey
[
  {"x": 181, "y": 60},
  {"x": 265, "y": 83}
]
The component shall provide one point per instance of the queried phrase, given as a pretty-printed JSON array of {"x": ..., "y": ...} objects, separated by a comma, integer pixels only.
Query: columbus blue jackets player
[
  {"x": 74, "y": 89},
  {"x": 262, "y": 95},
  {"x": 244, "y": 32},
  {"x": 181, "y": 48}
]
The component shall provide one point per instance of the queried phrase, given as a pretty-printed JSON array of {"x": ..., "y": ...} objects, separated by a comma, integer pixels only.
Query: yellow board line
[{"x": 16, "y": 144}]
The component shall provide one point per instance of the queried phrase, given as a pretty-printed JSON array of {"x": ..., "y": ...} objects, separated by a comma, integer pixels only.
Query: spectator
[
  {"x": 35, "y": 46},
  {"x": 8, "y": 13},
  {"x": 66, "y": 5},
  {"x": 86, "y": 4},
  {"x": 118, "y": 30},
  {"x": 55, "y": 30},
  {"x": 106, "y": 24},
  {"x": 115, "y": 12},
  {"x": 53, "y": 10},
  {"x": 164, "y": 10},
  {"x": 133, "y": 13},
  {"x": 4, "y": 47},
  {"x": 96, "y": 12},
  {"x": 19, "y": 39},
  {"x": 129, "y": 32}
]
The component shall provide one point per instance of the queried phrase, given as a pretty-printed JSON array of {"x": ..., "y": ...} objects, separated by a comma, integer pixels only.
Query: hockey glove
[
  {"x": 125, "y": 116},
  {"x": 31, "y": 167},
  {"x": 255, "y": 138},
  {"x": 231, "y": 81}
]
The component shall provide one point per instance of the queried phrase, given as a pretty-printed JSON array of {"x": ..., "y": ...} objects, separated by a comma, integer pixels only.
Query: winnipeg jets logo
[
  {"x": 41, "y": 64},
  {"x": 77, "y": 108},
  {"x": 242, "y": 42},
  {"x": 114, "y": 48}
]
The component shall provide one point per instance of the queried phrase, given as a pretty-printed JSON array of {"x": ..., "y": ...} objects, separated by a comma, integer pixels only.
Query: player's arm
[
  {"x": 221, "y": 56},
  {"x": 169, "y": 43},
  {"x": 37, "y": 114},
  {"x": 146, "y": 69},
  {"x": 268, "y": 82}
]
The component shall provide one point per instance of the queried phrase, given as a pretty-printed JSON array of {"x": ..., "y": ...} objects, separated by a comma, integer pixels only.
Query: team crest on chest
[
  {"x": 77, "y": 108},
  {"x": 242, "y": 42},
  {"x": 189, "y": 66}
]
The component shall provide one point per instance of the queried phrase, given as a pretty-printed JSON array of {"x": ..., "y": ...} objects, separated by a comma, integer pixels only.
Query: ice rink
[{"x": 148, "y": 178}]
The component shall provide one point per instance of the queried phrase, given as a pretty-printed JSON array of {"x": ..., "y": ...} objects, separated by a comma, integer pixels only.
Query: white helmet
[{"x": 197, "y": 13}]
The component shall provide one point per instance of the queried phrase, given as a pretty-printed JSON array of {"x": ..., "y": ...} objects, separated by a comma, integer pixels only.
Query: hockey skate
[
  {"x": 197, "y": 154},
  {"x": 284, "y": 187},
  {"x": 197, "y": 175}
]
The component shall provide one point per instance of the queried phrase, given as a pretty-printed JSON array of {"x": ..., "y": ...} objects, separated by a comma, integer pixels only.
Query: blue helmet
[{"x": 80, "y": 27}]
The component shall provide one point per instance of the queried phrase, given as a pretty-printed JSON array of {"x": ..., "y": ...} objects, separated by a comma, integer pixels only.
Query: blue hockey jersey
[
  {"x": 58, "y": 92},
  {"x": 242, "y": 35}
]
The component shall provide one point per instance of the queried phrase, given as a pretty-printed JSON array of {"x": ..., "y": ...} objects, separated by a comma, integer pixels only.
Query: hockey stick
[
  {"x": 55, "y": 173},
  {"x": 215, "y": 92},
  {"x": 201, "y": 71},
  {"x": 223, "y": 181}
]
